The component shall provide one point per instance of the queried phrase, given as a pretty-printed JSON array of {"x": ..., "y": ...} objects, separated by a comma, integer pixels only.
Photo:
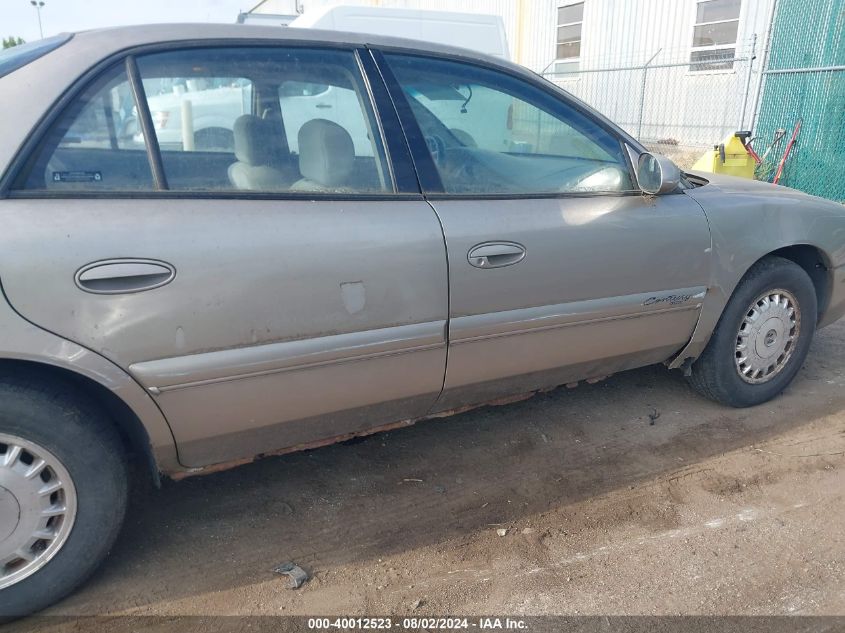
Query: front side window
[
  {"x": 491, "y": 133},
  {"x": 95, "y": 145},
  {"x": 714, "y": 35}
]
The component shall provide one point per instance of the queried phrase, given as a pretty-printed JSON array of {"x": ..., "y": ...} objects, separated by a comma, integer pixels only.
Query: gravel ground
[{"x": 632, "y": 496}]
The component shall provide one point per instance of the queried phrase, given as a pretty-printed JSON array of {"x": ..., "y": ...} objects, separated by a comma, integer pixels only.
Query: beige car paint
[{"x": 331, "y": 324}]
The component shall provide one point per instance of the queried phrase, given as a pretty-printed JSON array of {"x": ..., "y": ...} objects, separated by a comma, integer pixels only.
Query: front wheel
[
  {"x": 63, "y": 490},
  {"x": 762, "y": 338}
]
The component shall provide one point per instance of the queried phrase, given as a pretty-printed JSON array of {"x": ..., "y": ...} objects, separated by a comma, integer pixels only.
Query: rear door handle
[
  {"x": 495, "y": 254},
  {"x": 120, "y": 276},
  {"x": 323, "y": 106}
]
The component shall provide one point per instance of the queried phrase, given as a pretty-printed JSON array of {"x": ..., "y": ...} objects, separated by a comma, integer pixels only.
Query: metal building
[{"x": 634, "y": 60}]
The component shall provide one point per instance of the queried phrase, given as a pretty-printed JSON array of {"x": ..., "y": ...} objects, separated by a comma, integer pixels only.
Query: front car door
[
  {"x": 267, "y": 298},
  {"x": 560, "y": 269}
]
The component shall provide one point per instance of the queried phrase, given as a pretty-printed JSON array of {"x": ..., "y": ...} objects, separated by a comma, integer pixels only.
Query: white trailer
[{"x": 480, "y": 32}]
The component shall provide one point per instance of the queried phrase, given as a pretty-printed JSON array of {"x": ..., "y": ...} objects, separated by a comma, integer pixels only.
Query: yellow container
[{"x": 730, "y": 158}]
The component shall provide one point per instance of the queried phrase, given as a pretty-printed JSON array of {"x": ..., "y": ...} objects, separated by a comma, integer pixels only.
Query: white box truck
[{"x": 476, "y": 31}]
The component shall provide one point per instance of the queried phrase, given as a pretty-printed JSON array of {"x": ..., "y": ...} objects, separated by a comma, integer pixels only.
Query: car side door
[
  {"x": 262, "y": 308},
  {"x": 560, "y": 268}
]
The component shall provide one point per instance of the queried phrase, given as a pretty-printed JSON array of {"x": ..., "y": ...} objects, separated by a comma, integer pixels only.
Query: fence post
[
  {"x": 751, "y": 58},
  {"x": 642, "y": 94},
  {"x": 767, "y": 47}
]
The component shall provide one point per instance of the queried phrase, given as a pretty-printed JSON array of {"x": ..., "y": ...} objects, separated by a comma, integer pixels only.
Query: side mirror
[{"x": 657, "y": 175}]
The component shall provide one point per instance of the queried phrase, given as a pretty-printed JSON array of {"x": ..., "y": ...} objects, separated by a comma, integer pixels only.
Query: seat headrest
[
  {"x": 256, "y": 140},
  {"x": 326, "y": 153}
]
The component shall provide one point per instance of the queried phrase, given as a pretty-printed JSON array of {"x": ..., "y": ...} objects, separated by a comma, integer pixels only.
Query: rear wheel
[
  {"x": 762, "y": 338},
  {"x": 63, "y": 490}
]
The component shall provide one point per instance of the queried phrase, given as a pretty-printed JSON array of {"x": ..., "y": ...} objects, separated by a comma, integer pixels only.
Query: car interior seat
[
  {"x": 261, "y": 155},
  {"x": 326, "y": 157}
]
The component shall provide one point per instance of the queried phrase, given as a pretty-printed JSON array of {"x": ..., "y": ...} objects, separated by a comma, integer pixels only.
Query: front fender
[{"x": 749, "y": 220}]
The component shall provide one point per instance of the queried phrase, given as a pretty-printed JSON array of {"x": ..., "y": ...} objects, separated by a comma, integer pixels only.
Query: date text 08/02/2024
[{"x": 425, "y": 623}]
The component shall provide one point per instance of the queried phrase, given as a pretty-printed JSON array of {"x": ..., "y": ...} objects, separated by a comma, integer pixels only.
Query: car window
[
  {"x": 94, "y": 145},
  {"x": 301, "y": 89},
  {"x": 301, "y": 103},
  {"x": 264, "y": 119},
  {"x": 197, "y": 113},
  {"x": 491, "y": 133}
]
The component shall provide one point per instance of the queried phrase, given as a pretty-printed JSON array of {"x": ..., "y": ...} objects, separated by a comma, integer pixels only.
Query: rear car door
[
  {"x": 560, "y": 269},
  {"x": 267, "y": 298}
]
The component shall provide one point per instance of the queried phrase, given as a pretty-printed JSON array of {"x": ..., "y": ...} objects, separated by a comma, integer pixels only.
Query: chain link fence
[
  {"x": 803, "y": 96},
  {"x": 682, "y": 104},
  {"x": 674, "y": 103}
]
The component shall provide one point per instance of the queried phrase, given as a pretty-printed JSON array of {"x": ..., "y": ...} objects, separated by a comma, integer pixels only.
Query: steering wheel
[
  {"x": 576, "y": 184},
  {"x": 464, "y": 171},
  {"x": 437, "y": 148}
]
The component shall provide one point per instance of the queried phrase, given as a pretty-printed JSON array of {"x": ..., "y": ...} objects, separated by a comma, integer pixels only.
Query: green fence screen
[{"x": 808, "y": 41}]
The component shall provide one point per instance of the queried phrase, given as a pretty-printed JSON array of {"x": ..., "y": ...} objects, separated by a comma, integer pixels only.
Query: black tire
[
  {"x": 77, "y": 432},
  {"x": 715, "y": 373}
]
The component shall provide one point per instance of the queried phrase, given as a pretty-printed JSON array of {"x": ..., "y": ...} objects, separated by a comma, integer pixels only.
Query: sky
[{"x": 18, "y": 17}]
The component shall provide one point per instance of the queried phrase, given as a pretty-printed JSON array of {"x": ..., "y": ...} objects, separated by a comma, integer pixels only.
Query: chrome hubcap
[
  {"x": 767, "y": 336},
  {"x": 37, "y": 508}
]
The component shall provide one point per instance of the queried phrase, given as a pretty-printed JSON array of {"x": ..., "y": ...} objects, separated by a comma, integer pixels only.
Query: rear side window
[
  {"x": 19, "y": 56},
  {"x": 196, "y": 113},
  {"x": 95, "y": 145},
  {"x": 264, "y": 119}
]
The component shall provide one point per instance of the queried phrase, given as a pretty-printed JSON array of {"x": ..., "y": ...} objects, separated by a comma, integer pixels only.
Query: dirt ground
[{"x": 632, "y": 496}]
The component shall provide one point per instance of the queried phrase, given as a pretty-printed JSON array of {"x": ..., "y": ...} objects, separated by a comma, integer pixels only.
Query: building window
[
  {"x": 714, "y": 35},
  {"x": 570, "y": 19}
]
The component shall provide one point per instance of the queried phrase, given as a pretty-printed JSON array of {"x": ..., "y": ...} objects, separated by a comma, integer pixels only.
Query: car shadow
[{"x": 434, "y": 482}]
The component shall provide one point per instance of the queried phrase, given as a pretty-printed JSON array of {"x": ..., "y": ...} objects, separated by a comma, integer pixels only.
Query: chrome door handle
[
  {"x": 120, "y": 276},
  {"x": 495, "y": 254}
]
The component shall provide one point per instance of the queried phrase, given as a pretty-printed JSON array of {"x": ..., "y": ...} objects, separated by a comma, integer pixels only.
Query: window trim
[
  {"x": 700, "y": 67},
  {"x": 431, "y": 184},
  {"x": 40, "y": 130},
  {"x": 577, "y": 58},
  {"x": 399, "y": 158},
  {"x": 209, "y": 194},
  {"x": 27, "y": 157},
  {"x": 427, "y": 175},
  {"x": 145, "y": 118}
]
